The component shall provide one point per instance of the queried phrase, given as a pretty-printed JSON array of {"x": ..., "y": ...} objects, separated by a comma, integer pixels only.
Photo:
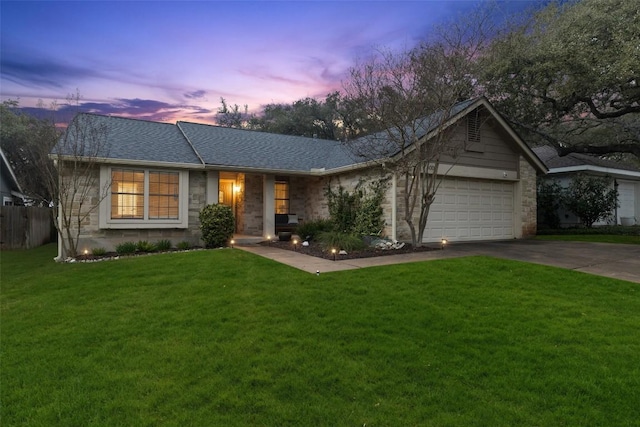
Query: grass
[
  {"x": 598, "y": 238},
  {"x": 224, "y": 337}
]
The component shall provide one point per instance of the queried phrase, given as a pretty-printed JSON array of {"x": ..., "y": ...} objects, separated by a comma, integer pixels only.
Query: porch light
[
  {"x": 237, "y": 188},
  {"x": 442, "y": 243}
]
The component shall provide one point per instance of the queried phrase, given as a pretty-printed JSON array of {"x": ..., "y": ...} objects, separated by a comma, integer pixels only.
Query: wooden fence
[{"x": 25, "y": 227}]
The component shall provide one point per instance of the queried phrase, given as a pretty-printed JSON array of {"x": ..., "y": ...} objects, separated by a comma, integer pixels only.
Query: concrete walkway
[{"x": 604, "y": 259}]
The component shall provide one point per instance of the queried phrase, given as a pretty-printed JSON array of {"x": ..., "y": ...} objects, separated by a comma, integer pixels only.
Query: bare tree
[
  {"x": 410, "y": 98},
  {"x": 73, "y": 177}
]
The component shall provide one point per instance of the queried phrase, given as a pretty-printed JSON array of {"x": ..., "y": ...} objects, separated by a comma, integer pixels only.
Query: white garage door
[
  {"x": 627, "y": 199},
  {"x": 467, "y": 209}
]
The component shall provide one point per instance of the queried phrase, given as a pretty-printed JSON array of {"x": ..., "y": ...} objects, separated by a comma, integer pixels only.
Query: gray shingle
[
  {"x": 130, "y": 139},
  {"x": 552, "y": 160},
  {"x": 140, "y": 140},
  {"x": 251, "y": 149}
]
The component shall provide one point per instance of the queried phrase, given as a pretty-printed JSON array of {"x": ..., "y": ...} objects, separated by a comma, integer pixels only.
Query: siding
[{"x": 494, "y": 150}]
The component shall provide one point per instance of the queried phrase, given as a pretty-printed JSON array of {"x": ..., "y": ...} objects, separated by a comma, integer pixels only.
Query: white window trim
[{"x": 106, "y": 221}]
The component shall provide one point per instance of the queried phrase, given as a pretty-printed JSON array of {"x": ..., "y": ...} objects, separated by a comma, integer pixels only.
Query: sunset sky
[{"x": 173, "y": 60}]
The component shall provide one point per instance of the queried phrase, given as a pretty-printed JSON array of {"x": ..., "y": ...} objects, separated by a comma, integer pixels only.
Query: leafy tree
[
  {"x": 27, "y": 141},
  {"x": 568, "y": 76},
  {"x": 591, "y": 198},
  {"x": 549, "y": 200},
  {"x": 328, "y": 119},
  {"x": 231, "y": 116},
  {"x": 409, "y": 98}
]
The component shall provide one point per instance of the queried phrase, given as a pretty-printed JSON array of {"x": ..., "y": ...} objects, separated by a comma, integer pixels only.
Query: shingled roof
[
  {"x": 134, "y": 140},
  {"x": 552, "y": 160},
  {"x": 221, "y": 146},
  {"x": 196, "y": 145}
]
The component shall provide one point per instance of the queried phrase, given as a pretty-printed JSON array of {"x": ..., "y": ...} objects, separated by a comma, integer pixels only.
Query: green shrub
[
  {"x": 164, "y": 245},
  {"x": 144, "y": 246},
  {"x": 98, "y": 251},
  {"x": 217, "y": 225},
  {"x": 336, "y": 240},
  {"x": 359, "y": 212},
  {"x": 549, "y": 200},
  {"x": 310, "y": 229},
  {"x": 126, "y": 248},
  {"x": 183, "y": 246},
  {"x": 591, "y": 198}
]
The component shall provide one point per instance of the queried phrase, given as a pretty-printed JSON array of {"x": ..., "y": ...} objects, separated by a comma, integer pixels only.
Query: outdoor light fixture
[
  {"x": 232, "y": 243},
  {"x": 86, "y": 251},
  {"x": 442, "y": 243},
  {"x": 295, "y": 244},
  {"x": 269, "y": 239},
  {"x": 333, "y": 251}
]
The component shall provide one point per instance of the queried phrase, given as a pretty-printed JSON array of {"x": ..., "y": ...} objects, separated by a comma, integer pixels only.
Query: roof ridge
[
  {"x": 255, "y": 131},
  {"x": 108, "y": 116},
  {"x": 190, "y": 143}
]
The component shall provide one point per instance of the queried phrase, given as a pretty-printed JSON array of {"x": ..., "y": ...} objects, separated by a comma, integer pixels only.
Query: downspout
[
  {"x": 394, "y": 207},
  {"x": 615, "y": 186}
]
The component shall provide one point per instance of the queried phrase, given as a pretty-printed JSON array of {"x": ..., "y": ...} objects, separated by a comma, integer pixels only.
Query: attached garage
[{"x": 471, "y": 209}]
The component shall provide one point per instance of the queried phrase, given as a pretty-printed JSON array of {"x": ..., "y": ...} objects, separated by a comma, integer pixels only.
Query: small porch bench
[{"x": 286, "y": 223}]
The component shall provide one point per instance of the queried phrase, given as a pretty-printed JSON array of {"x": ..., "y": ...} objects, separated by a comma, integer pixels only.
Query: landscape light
[
  {"x": 442, "y": 243},
  {"x": 333, "y": 251},
  {"x": 232, "y": 243},
  {"x": 295, "y": 244}
]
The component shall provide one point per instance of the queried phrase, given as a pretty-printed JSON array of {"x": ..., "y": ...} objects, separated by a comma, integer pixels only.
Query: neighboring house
[
  {"x": 10, "y": 191},
  {"x": 626, "y": 178},
  {"x": 161, "y": 175}
]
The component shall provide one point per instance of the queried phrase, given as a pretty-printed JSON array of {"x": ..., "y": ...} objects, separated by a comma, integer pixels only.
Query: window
[
  {"x": 142, "y": 198},
  {"x": 163, "y": 195},
  {"x": 282, "y": 197},
  {"x": 127, "y": 194}
]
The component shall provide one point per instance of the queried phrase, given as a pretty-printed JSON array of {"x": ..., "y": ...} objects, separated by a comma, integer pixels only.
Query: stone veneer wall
[
  {"x": 315, "y": 202},
  {"x": 251, "y": 217},
  {"x": 528, "y": 178},
  {"x": 92, "y": 236}
]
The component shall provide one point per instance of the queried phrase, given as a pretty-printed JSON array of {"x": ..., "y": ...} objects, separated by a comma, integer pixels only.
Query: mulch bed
[{"x": 314, "y": 249}]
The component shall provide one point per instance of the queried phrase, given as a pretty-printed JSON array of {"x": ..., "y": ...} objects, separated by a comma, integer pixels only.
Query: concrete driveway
[{"x": 603, "y": 259}]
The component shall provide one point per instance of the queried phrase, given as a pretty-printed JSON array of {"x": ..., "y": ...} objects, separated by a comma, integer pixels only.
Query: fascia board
[
  {"x": 131, "y": 162},
  {"x": 596, "y": 169}
]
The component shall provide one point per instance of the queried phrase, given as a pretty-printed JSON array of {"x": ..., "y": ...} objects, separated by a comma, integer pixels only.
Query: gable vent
[{"x": 473, "y": 126}]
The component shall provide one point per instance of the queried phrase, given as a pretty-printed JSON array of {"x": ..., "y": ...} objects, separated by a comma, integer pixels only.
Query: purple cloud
[
  {"x": 196, "y": 94},
  {"x": 33, "y": 70}
]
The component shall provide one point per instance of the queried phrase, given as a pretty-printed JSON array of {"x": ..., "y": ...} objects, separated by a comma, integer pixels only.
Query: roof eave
[
  {"x": 131, "y": 162},
  {"x": 596, "y": 169}
]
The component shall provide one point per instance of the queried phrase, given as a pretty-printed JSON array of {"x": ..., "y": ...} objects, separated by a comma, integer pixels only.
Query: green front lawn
[
  {"x": 597, "y": 238},
  {"x": 227, "y": 338}
]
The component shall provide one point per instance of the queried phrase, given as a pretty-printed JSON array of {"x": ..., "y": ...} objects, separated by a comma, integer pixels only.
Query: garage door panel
[{"x": 468, "y": 209}]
